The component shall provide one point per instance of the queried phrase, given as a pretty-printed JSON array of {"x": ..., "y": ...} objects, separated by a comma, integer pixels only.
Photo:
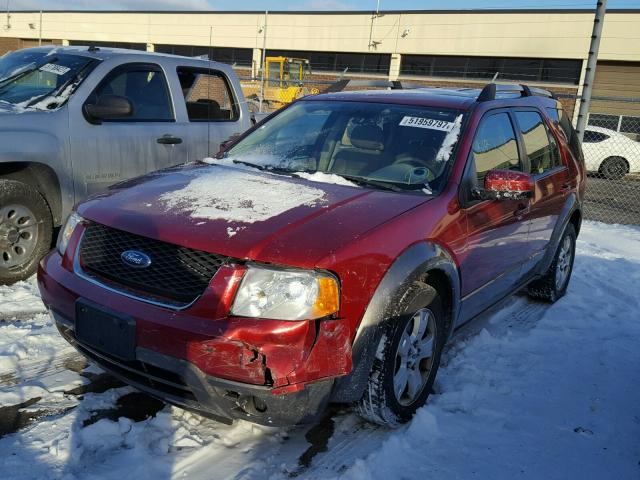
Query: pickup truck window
[
  {"x": 145, "y": 87},
  {"x": 207, "y": 95},
  {"x": 26, "y": 77}
]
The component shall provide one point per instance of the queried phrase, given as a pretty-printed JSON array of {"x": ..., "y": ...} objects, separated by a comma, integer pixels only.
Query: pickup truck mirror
[
  {"x": 108, "y": 107},
  {"x": 227, "y": 143},
  {"x": 506, "y": 184}
]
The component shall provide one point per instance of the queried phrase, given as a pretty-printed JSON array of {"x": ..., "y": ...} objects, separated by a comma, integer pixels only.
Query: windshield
[
  {"x": 28, "y": 77},
  {"x": 396, "y": 147}
]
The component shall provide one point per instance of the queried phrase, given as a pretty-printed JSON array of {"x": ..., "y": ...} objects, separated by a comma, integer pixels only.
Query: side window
[
  {"x": 208, "y": 95},
  {"x": 495, "y": 146},
  {"x": 594, "y": 137},
  {"x": 543, "y": 154},
  {"x": 146, "y": 88}
]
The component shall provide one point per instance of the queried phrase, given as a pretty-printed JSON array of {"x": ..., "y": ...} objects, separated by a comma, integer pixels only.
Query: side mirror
[
  {"x": 228, "y": 142},
  {"x": 108, "y": 107},
  {"x": 507, "y": 184}
]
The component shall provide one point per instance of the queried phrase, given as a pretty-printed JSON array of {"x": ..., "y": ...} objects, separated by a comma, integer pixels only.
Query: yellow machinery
[{"x": 283, "y": 79}]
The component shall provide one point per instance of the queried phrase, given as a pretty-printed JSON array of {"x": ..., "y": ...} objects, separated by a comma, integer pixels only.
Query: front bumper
[
  {"x": 269, "y": 372},
  {"x": 181, "y": 383}
]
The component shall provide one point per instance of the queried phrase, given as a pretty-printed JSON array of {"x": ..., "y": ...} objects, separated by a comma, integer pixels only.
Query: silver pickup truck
[{"x": 74, "y": 120}]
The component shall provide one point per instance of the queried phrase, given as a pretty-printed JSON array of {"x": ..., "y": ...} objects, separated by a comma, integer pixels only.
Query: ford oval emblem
[{"x": 135, "y": 259}]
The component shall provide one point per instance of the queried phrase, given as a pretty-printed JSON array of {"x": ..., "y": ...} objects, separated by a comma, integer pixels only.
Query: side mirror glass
[
  {"x": 108, "y": 107},
  {"x": 508, "y": 184}
]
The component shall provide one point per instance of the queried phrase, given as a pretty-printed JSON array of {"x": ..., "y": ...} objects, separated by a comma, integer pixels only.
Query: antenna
[{"x": 495, "y": 77}]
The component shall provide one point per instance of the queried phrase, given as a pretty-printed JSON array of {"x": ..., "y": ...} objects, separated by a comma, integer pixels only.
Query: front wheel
[
  {"x": 25, "y": 230},
  {"x": 407, "y": 359}
]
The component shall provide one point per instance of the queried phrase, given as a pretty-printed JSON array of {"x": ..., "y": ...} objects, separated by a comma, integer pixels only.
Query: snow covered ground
[{"x": 526, "y": 391}]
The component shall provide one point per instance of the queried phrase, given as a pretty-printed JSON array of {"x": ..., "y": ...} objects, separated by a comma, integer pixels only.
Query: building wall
[
  {"x": 517, "y": 34},
  {"x": 559, "y": 34}
]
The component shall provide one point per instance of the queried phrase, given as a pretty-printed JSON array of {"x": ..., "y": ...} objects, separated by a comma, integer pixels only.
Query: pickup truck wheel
[
  {"x": 553, "y": 285},
  {"x": 407, "y": 359},
  {"x": 25, "y": 230}
]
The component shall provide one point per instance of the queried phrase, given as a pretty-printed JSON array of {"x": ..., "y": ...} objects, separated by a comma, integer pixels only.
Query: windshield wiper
[
  {"x": 268, "y": 168},
  {"x": 394, "y": 187},
  {"x": 22, "y": 73}
]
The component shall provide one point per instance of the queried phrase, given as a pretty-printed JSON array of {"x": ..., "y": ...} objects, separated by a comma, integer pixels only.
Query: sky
[{"x": 330, "y": 5}]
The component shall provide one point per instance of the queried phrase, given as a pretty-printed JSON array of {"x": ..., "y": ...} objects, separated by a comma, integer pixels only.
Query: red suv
[{"x": 327, "y": 255}]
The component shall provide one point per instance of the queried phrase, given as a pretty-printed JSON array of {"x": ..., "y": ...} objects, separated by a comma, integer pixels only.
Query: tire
[
  {"x": 553, "y": 285},
  {"x": 614, "y": 168},
  {"x": 25, "y": 230},
  {"x": 380, "y": 403}
]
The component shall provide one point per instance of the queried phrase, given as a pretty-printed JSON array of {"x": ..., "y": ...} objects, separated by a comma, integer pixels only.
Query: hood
[{"x": 246, "y": 213}]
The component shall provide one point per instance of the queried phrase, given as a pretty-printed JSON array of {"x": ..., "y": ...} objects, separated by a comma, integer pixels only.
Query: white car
[{"x": 610, "y": 153}]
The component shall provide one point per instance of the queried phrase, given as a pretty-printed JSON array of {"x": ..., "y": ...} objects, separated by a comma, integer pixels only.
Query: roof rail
[
  {"x": 492, "y": 90},
  {"x": 389, "y": 84}
]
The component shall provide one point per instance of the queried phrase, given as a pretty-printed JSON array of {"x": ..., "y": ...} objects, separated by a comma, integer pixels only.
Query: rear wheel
[
  {"x": 407, "y": 359},
  {"x": 614, "y": 168},
  {"x": 553, "y": 285},
  {"x": 25, "y": 230}
]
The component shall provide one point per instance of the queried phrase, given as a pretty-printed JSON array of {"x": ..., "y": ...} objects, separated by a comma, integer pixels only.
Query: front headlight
[
  {"x": 286, "y": 294},
  {"x": 65, "y": 234}
]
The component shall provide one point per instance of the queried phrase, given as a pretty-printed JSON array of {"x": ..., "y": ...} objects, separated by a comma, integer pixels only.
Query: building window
[
  {"x": 129, "y": 46},
  {"x": 478, "y": 68},
  {"x": 338, "y": 62},
  {"x": 241, "y": 57}
]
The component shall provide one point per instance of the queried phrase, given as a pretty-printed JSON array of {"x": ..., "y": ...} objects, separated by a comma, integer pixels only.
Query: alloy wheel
[
  {"x": 563, "y": 263},
  {"x": 414, "y": 357}
]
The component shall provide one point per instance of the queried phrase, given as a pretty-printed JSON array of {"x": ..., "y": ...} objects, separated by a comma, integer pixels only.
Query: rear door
[
  {"x": 212, "y": 109},
  {"x": 551, "y": 176},
  {"x": 497, "y": 230},
  {"x": 108, "y": 151}
]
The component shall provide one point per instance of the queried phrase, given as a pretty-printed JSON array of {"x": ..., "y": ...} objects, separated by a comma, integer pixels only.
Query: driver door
[{"x": 104, "y": 152}]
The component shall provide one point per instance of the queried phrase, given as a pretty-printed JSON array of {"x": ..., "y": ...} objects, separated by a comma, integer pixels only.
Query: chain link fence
[{"x": 611, "y": 149}]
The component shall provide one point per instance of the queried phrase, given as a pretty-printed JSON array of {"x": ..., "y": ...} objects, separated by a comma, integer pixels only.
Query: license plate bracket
[{"x": 107, "y": 331}]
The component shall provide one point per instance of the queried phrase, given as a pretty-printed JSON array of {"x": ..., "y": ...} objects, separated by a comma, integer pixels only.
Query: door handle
[{"x": 169, "y": 139}]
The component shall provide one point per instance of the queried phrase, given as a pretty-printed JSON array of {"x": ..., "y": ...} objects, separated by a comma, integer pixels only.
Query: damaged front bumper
[
  {"x": 265, "y": 371},
  {"x": 181, "y": 383}
]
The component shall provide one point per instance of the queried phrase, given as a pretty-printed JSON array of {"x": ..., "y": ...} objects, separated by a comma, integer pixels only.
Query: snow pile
[
  {"x": 236, "y": 195},
  {"x": 449, "y": 141},
  {"x": 20, "y": 299}
]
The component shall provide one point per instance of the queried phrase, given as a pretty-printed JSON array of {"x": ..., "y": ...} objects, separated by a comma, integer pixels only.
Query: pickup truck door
[
  {"x": 212, "y": 110},
  {"x": 104, "y": 152}
]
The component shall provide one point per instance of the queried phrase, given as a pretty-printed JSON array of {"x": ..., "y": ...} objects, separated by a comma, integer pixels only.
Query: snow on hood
[{"x": 238, "y": 195}]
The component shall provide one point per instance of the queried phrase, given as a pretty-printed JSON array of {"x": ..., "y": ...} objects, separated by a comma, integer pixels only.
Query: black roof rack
[{"x": 491, "y": 91}]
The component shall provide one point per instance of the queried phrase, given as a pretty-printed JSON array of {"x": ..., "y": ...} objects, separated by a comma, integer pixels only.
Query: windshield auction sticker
[
  {"x": 55, "y": 69},
  {"x": 429, "y": 123}
]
